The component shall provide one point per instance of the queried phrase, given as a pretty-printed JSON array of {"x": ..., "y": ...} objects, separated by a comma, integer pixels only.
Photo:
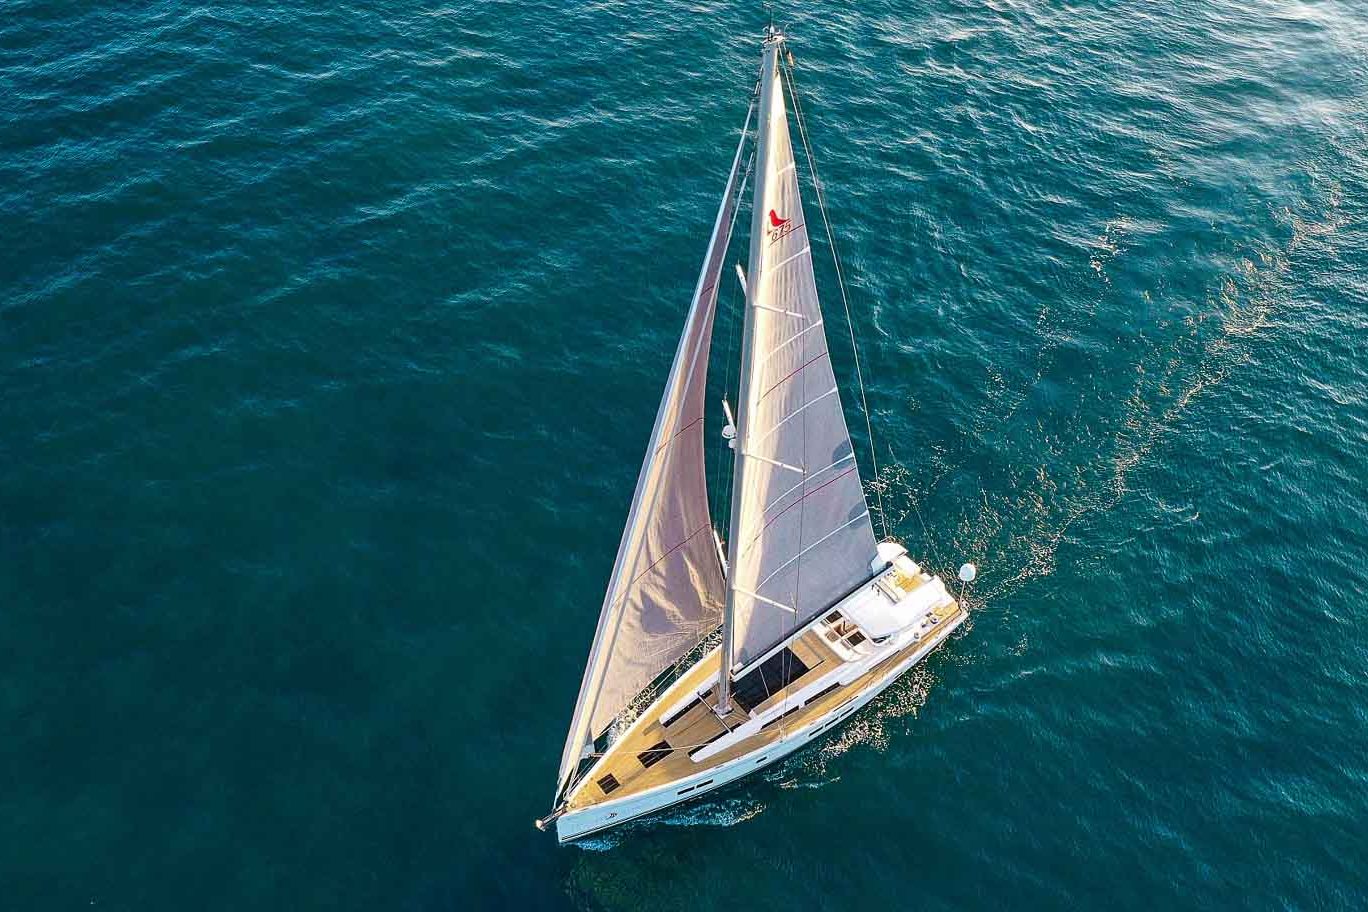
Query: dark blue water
[{"x": 331, "y": 336}]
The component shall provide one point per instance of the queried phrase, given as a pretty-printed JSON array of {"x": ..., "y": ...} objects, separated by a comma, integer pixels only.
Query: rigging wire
[
  {"x": 724, "y": 496},
  {"x": 820, "y": 193},
  {"x": 722, "y": 499},
  {"x": 787, "y": 70}
]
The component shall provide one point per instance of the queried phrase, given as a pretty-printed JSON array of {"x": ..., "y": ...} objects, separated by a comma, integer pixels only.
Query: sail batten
[
  {"x": 666, "y": 590},
  {"x": 800, "y": 532}
]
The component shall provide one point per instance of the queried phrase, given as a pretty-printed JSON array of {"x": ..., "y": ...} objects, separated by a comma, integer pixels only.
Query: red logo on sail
[{"x": 779, "y": 227}]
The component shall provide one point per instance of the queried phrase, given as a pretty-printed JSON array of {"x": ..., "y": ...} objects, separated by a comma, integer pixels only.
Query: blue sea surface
[{"x": 331, "y": 336}]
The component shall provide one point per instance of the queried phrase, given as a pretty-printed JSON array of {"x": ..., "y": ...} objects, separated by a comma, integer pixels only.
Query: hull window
[
  {"x": 821, "y": 693},
  {"x": 781, "y": 717},
  {"x": 654, "y": 754}
]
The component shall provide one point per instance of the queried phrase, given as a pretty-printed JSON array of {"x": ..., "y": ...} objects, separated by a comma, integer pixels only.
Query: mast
[{"x": 769, "y": 68}]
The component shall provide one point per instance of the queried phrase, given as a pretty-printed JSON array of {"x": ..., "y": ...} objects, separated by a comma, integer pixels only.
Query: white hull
[{"x": 583, "y": 822}]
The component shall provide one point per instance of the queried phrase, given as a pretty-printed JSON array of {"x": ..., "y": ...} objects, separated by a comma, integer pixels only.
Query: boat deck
[{"x": 653, "y": 754}]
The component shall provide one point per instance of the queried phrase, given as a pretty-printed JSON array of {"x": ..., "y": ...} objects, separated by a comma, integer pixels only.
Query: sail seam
[
  {"x": 636, "y": 579},
  {"x": 792, "y": 374},
  {"x": 791, "y": 415},
  {"x": 669, "y": 440},
  {"x": 791, "y": 339},
  {"x": 805, "y": 496},
  {"x": 788, "y": 259},
  {"x": 778, "y": 500},
  {"x": 819, "y": 541}
]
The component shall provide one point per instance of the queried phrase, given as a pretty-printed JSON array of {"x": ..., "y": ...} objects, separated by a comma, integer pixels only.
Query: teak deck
[{"x": 700, "y": 724}]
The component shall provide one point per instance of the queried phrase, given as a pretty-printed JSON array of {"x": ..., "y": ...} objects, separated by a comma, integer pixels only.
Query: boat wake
[
  {"x": 722, "y": 812},
  {"x": 874, "y": 726},
  {"x": 1060, "y": 475},
  {"x": 725, "y": 812}
]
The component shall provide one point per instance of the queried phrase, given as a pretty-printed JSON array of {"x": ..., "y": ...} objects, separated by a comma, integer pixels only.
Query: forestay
[
  {"x": 666, "y": 590},
  {"x": 800, "y": 532}
]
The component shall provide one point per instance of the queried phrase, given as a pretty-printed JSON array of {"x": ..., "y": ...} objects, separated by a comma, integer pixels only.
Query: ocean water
[{"x": 330, "y": 340}]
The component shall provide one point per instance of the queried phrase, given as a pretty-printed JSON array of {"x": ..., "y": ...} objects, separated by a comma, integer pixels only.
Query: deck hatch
[
  {"x": 608, "y": 783},
  {"x": 666, "y": 723},
  {"x": 773, "y": 675},
  {"x": 654, "y": 754}
]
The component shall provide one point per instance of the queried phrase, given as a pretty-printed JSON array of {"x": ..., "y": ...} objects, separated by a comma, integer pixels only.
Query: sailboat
[{"x": 710, "y": 660}]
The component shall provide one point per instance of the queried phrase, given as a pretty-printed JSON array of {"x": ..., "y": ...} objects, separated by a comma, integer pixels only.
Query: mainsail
[
  {"x": 801, "y": 536},
  {"x": 666, "y": 591}
]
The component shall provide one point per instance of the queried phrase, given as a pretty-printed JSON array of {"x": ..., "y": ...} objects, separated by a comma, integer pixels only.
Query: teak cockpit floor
[{"x": 699, "y": 725}]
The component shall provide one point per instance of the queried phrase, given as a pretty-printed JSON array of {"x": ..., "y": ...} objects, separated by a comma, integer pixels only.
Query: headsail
[
  {"x": 800, "y": 530},
  {"x": 666, "y": 591}
]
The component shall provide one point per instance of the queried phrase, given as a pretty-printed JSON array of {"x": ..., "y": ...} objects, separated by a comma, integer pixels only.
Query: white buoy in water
[{"x": 967, "y": 573}]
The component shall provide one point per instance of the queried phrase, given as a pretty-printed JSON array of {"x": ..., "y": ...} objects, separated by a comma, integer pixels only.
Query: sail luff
[{"x": 702, "y": 578}]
